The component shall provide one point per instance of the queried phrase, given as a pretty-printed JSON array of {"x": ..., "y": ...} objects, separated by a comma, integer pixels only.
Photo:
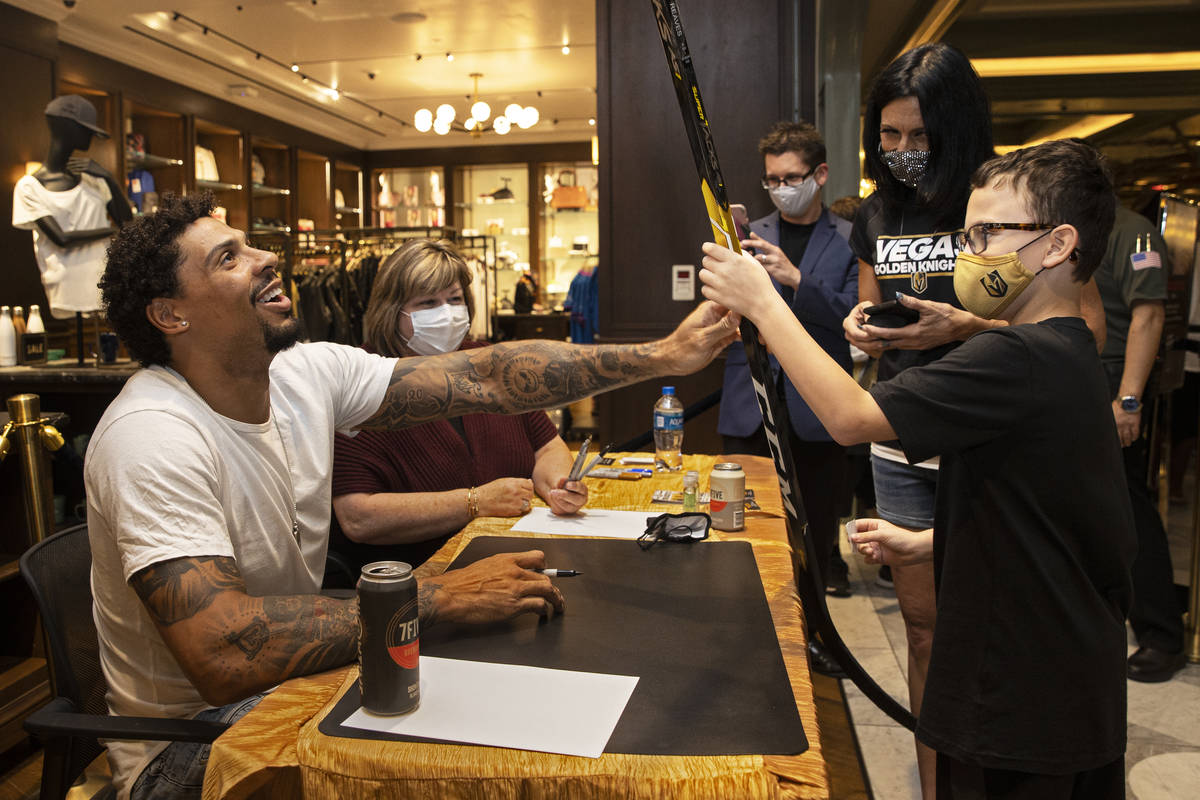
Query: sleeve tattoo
[
  {"x": 201, "y": 607},
  {"x": 506, "y": 379}
]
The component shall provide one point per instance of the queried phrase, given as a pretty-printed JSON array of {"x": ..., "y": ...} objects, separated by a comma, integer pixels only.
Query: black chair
[{"x": 58, "y": 571}]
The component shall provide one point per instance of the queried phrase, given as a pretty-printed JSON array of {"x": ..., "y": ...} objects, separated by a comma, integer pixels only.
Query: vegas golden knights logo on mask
[
  {"x": 920, "y": 282},
  {"x": 993, "y": 284}
]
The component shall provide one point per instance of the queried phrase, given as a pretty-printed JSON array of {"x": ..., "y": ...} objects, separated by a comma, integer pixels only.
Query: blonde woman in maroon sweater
[{"x": 401, "y": 494}]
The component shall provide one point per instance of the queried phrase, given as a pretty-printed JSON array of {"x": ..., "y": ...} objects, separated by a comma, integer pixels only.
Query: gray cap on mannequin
[{"x": 74, "y": 107}]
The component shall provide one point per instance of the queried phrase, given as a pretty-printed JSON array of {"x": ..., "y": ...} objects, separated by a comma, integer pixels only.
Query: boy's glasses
[
  {"x": 975, "y": 238},
  {"x": 674, "y": 528}
]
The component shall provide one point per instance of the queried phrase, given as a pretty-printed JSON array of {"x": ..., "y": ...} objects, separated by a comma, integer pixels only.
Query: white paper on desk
[
  {"x": 502, "y": 705},
  {"x": 588, "y": 522}
]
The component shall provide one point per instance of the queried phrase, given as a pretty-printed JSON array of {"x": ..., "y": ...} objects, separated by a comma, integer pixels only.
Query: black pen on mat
[{"x": 559, "y": 573}]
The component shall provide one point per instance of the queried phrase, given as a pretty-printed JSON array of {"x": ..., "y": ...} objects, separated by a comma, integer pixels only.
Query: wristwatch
[{"x": 1131, "y": 404}]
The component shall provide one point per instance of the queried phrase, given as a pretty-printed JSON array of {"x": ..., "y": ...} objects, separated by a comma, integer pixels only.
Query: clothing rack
[{"x": 483, "y": 248}]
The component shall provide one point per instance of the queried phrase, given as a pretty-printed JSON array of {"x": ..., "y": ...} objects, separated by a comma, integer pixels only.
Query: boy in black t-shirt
[{"x": 1032, "y": 540}]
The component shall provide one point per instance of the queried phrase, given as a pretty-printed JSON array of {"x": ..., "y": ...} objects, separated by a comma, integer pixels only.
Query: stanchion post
[
  {"x": 25, "y": 412},
  {"x": 1192, "y": 644}
]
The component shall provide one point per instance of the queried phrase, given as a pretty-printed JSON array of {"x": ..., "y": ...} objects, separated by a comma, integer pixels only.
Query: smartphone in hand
[{"x": 891, "y": 314}]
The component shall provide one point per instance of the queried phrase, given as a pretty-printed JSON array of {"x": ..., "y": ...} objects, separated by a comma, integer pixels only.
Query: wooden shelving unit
[
  {"x": 270, "y": 197},
  {"x": 166, "y": 153},
  {"x": 313, "y": 199},
  {"x": 228, "y": 149},
  {"x": 348, "y": 183}
]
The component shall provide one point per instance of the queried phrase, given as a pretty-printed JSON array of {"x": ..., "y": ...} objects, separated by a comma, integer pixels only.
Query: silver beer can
[{"x": 727, "y": 497}]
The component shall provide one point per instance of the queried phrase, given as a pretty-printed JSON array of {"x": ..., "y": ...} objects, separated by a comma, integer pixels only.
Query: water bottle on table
[{"x": 668, "y": 430}]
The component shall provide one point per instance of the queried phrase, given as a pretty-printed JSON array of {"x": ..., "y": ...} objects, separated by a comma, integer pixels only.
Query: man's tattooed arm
[
  {"x": 513, "y": 377},
  {"x": 231, "y": 645}
]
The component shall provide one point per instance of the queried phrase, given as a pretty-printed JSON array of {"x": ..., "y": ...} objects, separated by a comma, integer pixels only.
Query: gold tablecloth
[{"x": 276, "y": 751}]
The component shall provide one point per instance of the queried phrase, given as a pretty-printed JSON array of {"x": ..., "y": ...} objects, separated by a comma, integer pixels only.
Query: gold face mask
[{"x": 986, "y": 285}]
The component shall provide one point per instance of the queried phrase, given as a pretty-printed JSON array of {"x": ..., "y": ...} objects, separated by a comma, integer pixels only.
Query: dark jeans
[
  {"x": 177, "y": 773},
  {"x": 959, "y": 781},
  {"x": 821, "y": 475},
  {"x": 1155, "y": 614}
]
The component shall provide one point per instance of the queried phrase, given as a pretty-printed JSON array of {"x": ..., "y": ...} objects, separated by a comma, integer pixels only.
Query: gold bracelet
[{"x": 472, "y": 503}]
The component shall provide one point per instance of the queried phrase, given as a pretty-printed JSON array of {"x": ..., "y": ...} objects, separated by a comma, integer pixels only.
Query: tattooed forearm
[
  {"x": 183, "y": 587},
  {"x": 231, "y": 644},
  {"x": 508, "y": 378}
]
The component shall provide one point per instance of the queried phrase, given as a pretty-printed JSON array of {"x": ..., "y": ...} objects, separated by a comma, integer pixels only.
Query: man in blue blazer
[{"x": 805, "y": 250}]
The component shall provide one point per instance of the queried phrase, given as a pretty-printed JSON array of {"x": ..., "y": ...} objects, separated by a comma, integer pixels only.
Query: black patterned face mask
[{"x": 906, "y": 166}]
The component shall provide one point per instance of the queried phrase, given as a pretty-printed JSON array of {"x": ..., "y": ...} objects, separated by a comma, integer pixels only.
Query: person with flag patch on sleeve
[{"x": 1132, "y": 280}]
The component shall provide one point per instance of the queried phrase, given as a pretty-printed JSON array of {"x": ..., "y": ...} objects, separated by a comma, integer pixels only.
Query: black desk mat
[{"x": 690, "y": 620}]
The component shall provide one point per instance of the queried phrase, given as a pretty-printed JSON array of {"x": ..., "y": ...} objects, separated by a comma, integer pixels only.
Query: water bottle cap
[{"x": 668, "y": 390}]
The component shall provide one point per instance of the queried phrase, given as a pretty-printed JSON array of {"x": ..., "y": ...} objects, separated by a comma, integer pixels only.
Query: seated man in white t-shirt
[{"x": 208, "y": 478}]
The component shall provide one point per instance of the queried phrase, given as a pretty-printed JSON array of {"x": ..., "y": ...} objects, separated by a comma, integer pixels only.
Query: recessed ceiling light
[{"x": 408, "y": 17}]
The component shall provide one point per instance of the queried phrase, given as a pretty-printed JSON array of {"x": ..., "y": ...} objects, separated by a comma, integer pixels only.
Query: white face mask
[
  {"x": 793, "y": 201},
  {"x": 438, "y": 330}
]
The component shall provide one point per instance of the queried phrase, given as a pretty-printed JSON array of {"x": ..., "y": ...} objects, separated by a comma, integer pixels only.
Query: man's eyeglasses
[
  {"x": 975, "y": 238},
  {"x": 791, "y": 179},
  {"x": 675, "y": 528}
]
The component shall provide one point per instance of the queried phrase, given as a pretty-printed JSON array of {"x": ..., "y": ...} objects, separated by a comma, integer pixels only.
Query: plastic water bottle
[{"x": 668, "y": 430}]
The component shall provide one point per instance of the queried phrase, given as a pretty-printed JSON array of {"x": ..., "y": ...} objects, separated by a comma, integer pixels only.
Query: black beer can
[{"x": 389, "y": 638}]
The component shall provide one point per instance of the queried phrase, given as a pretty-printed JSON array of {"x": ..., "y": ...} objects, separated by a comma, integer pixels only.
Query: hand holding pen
[{"x": 570, "y": 493}]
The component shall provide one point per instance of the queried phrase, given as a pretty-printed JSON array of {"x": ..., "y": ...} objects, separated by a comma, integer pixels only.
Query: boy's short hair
[
  {"x": 1066, "y": 181},
  {"x": 794, "y": 137}
]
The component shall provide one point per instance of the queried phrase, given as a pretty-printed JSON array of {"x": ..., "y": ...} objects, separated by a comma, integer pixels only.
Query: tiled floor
[{"x": 1163, "y": 757}]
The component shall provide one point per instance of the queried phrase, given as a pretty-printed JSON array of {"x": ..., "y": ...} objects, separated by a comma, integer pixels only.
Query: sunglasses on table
[{"x": 689, "y": 527}]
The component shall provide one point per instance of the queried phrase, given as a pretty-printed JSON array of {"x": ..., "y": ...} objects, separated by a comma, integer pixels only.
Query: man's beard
[{"x": 278, "y": 338}]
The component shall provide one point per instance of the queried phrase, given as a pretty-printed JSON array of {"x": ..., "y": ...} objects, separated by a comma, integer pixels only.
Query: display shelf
[
  {"x": 9, "y": 566},
  {"x": 218, "y": 186},
  {"x": 151, "y": 161},
  {"x": 271, "y": 229},
  {"x": 347, "y": 210},
  {"x": 262, "y": 190},
  {"x": 314, "y": 190},
  {"x": 161, "y": 148},
  {"x": 222, "y": 170}
]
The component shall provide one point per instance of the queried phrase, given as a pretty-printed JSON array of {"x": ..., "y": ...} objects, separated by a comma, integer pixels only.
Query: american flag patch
[{"x": 1145, "y": 260}]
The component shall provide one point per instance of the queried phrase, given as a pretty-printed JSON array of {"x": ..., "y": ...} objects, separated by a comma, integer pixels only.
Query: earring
[{"x": 183, "y": 323}]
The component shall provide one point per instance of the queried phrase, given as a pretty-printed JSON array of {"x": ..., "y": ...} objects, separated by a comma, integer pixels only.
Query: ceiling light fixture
[
  {"x": 1087, "y": 64},
  {"x": 449, "y": 56},
  {"x": 479, "y": 111},
  {"x": 566, "y": 50},
  {"x": 295, "y": 67}
]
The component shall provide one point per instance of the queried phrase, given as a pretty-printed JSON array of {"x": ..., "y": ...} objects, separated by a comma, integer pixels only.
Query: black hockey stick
[{"x": 770, "y": 395}]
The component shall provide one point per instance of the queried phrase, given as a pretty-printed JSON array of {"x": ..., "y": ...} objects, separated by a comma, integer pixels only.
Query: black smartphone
[{"x": 891, "y": 314}]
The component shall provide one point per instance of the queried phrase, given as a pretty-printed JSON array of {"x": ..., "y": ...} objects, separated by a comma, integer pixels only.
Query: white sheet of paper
[
  {"x": 528, "y": 708},
  {"x": 588, "y": 522}
]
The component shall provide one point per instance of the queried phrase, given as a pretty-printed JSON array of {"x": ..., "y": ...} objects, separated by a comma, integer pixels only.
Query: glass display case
[
  {"x": 494, "y": 201},
  {"x": 570, "y": 225},
  {"x": 409, "y": 197}
]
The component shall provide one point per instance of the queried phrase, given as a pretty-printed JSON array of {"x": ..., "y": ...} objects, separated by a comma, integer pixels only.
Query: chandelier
[{"x": 444, "y": 119}]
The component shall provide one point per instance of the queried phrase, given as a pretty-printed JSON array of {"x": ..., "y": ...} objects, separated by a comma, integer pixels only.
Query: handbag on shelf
[{"x": 567, "y": 194}]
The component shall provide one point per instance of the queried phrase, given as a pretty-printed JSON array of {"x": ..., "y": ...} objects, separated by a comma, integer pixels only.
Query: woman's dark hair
[
  {"x": 143, "y": 263},
  {"x": 957, "y": 117}
]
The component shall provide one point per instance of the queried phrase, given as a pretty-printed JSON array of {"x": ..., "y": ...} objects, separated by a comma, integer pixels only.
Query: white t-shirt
[
  {"x": 69, "y": 274},
  {"x": 168, "y": 477}
]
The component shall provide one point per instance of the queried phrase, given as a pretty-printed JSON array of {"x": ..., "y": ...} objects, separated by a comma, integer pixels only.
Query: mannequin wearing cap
[{"x": 73, "y": 205}]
